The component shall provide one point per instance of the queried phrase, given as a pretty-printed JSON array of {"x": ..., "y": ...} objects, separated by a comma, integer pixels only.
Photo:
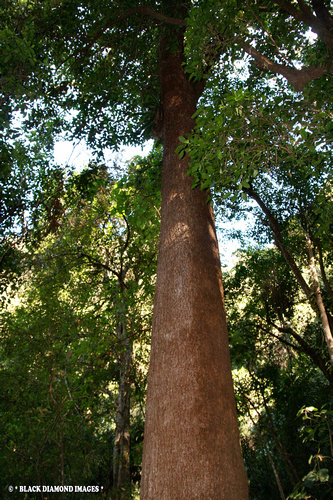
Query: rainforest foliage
[{"x": 78, "y": 246}]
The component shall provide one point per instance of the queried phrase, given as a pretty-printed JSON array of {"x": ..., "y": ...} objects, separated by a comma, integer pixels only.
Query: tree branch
[
  {"x": 317, "y": 359},
  {"x": 321, "y": 23},
  {"x": 296, "y": 77},
  {"x": 97, "y": 263},
  {"x": 148, "y": 11},
  {"x": 327, "y": 285},
  {"x": 304, "y": 15},
  {"x": 275, "y": 227},
  {"x": 322, "y": 14}
]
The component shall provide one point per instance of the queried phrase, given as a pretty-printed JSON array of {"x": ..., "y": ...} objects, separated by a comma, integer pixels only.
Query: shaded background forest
[{"x": 78, "y": 252}]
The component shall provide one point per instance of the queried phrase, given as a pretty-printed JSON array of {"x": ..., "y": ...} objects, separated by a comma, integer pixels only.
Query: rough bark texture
[{"x": 191, "y": 445}]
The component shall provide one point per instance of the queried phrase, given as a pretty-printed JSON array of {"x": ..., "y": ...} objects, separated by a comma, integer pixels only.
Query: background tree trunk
[
  {"x": 191, "y": 444},
  {"x": 319, "y": 299},
  {"x": 121, "y": 448}
]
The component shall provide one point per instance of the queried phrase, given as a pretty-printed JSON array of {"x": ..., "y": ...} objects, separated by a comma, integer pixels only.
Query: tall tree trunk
[{"x": 191, "y": 444}]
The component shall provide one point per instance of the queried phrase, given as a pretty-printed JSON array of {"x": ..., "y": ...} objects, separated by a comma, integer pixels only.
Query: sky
[{"x": 77, "y": 155}]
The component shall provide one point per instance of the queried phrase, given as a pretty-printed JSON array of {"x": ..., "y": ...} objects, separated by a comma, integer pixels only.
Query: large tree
[
  {"x": 108, "y": 57},
  {"x": 122, "y": 67}
]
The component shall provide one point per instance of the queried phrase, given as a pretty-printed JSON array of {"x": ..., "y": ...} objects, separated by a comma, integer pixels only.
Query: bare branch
[{"x": 98, "y": 263}]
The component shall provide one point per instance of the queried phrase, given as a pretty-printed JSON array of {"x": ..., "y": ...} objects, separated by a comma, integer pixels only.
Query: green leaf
[
  {"x": 310, "y": 479},
  {"x": 323, "y": 475},
  {"x": 304, "y": 134}
]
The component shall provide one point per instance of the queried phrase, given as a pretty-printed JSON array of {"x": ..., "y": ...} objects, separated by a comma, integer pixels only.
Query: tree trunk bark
[
  {"x": 327, "y": 284},
  {"x": 319, "y": 299},
  {"x": 121, "y": 448},
  {"x": 277, "y": 478},
  {"x": 191, "y": 444}
]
